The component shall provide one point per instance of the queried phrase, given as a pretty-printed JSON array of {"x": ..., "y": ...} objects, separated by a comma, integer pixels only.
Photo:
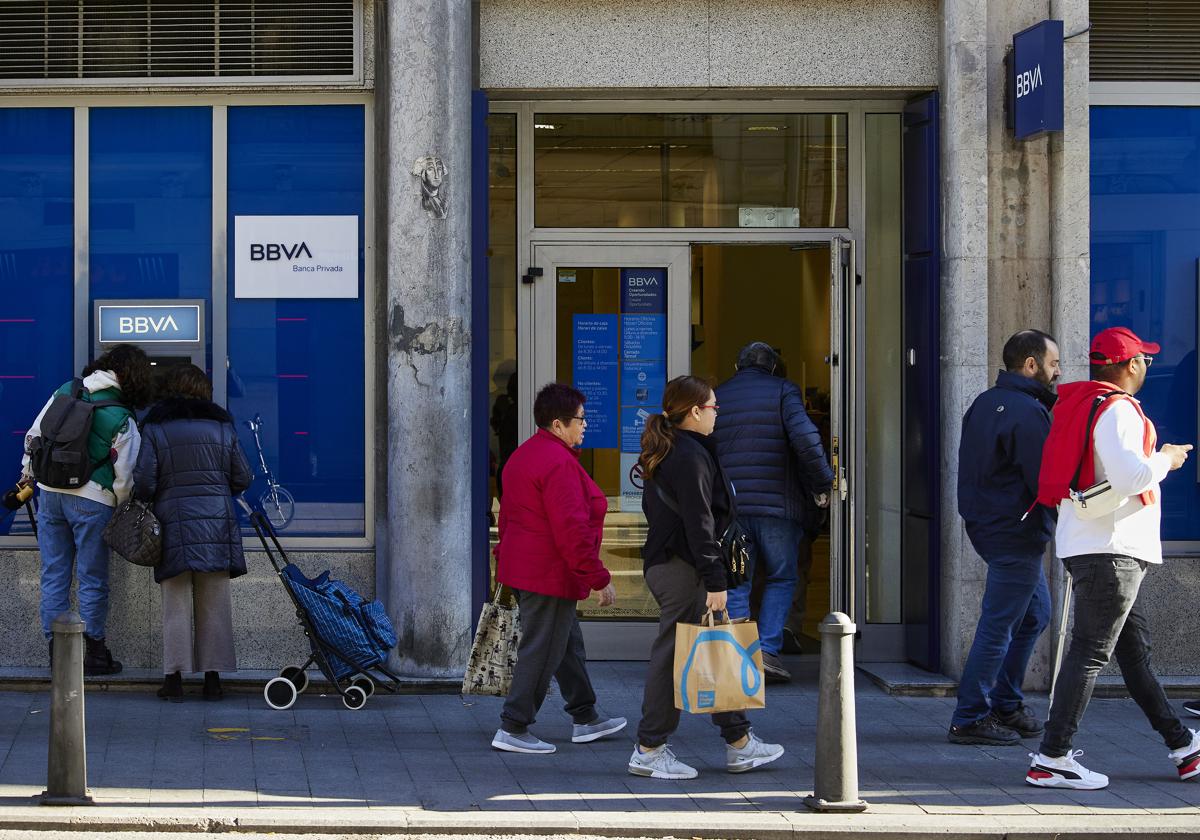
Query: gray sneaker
[
  {"x": 526, "y": 742},
  {"x": 582, "y": 733},
  {"x": 755, "y": 753},
  {"x": 659, "y": 763}
]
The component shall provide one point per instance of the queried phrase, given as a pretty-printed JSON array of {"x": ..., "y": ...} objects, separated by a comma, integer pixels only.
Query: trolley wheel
[
  {"x": 279, "y": 506},
  {"x": 296, "y": 676},
  {"x": 280, "y": 693},
  {"x": 365, "y": 683},
  {"x": 354, "y": 698}
]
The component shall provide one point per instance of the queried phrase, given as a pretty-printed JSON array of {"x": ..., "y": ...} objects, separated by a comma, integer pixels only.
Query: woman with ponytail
[{"x": 688, "y": 502}]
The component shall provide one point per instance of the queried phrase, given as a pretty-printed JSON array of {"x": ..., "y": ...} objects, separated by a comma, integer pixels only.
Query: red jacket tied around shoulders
[{"x": 551, "y": 522}]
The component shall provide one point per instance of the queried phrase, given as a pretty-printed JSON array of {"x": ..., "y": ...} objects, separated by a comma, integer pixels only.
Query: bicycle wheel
[{"x": 279, "y": 506}]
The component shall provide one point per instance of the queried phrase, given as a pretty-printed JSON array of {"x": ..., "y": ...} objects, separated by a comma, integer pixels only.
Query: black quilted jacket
[
  {"x": 769, "y": 447},
  {"x": 190, "y": 465}
]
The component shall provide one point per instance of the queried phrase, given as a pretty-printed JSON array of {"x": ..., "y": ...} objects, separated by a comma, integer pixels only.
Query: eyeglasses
[
  {"x": 580, "y": 418},
  {"x": 716, "y": 408},
  {"x": 1147, "y": 360}
]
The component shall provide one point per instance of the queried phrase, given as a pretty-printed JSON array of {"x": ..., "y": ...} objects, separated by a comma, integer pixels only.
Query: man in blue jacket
[
  {"x": 773, "y": 455},
  {"x": 999, "y": 458}
]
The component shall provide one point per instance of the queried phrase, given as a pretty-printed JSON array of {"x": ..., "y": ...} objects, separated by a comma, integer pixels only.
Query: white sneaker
[
  {"x": 659, "y": 763},
  {"x": 1187, "y": 759},
  {"x": 755, "y": 753},
  {"x": 523, "y": 743},
  {"x": 1064, "y": 772},
  {"x": 583, "y": 733}
]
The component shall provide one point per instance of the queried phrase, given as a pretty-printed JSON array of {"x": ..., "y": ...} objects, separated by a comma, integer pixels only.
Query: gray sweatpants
[
  {"x": 551, "y": 646},
  {"x": 680, "y": 595},
  {"x": 199, "y": 600}
]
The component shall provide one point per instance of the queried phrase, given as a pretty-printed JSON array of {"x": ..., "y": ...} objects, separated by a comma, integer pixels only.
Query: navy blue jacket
[
  {"x": 999, "y": 458},
  {"x": 190, "y": 465},
  {"x": 769, "y": 447}
]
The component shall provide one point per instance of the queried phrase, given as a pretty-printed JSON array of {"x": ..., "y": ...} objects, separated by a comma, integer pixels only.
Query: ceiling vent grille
[
  {"x": 177, "y": 39},
  {"x": 1145, "y": 40}
]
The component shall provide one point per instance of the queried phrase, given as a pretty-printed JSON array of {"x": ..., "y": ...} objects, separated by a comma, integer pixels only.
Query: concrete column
[
  {"x": 427, "y": 114},
  {"x": 965, "y": 365}
]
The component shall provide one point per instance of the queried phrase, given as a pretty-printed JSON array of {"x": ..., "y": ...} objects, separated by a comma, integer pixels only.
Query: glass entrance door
[{"x": 612, "y": 322}]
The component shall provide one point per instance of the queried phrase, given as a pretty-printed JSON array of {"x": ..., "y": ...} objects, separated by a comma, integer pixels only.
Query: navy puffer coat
[
  {"x": 769, "y": 447},
  {"x": 190, "y": 466}
]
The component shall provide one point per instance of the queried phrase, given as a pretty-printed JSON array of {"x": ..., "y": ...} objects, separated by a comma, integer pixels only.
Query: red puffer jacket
[{"x": 551, "y": 521}]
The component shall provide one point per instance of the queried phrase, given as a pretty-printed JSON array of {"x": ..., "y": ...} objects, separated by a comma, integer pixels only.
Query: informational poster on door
[
  {"x": 295, "y": 256},
  {"x": 643, "y": 368},
  {"x": 595, "y": 339}
]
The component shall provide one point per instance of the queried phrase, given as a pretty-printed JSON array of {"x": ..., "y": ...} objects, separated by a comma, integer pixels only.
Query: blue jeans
[
  {"x": 775, "y": 543},
  {"x": 1016, "y": 609},
  {"x": 70, "y": 537}
]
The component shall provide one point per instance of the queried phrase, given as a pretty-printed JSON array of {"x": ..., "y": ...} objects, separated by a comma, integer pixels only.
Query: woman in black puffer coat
[{"x": 190, "y": 466}]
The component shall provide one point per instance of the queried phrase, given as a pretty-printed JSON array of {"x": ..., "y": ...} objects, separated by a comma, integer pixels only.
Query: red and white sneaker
[
  {"x": 1064, "y": 772},
  {"x": 1187, "y": 759}
]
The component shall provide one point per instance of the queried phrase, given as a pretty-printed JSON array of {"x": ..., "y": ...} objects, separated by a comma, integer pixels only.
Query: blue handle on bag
[{"x": 751, "y": 681}]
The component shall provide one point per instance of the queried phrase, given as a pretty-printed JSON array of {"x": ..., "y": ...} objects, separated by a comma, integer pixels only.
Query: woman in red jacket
[{"x": 551, "y": 523}]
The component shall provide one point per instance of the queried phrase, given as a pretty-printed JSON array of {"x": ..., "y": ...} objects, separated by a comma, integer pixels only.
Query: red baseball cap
[{"x": 1118, "y": 344}]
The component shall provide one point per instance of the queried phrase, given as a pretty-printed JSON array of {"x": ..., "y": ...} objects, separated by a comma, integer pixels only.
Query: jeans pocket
[{"x": 1083, "y": 578}]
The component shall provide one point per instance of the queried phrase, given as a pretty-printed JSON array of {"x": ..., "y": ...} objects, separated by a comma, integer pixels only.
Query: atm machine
[{"x": 170, "y": 331}]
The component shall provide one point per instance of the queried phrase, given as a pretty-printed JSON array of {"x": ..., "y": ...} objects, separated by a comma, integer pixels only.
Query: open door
[
  {"x": 843, "y": 443},
  {"x": 921, "y": 388}
]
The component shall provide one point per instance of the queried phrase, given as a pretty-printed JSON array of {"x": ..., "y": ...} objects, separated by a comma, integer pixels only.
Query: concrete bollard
[
  {"x": 835, "y": 778},
  {"x": 66, "y": 772}
]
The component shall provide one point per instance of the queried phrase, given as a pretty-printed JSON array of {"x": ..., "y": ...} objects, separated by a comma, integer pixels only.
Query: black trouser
[
  {"x": 1108, "y": 620},
  {"x": 680, "y": 595},
  {"x": 551, "y": 646}
]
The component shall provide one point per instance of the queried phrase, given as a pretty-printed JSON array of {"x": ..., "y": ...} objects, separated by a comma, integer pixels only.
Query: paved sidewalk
[{"x": 416, "y": 762}]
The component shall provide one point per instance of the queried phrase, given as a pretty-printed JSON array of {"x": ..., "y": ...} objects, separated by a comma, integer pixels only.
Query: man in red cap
[{"x": 1099, "y": 433}]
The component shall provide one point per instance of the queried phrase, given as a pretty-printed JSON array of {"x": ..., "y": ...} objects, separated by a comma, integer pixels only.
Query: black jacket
[
  {"x": 769, "y": 446},
  {"x": 190, "y": 465},
  {"x": 692, "y": 478},
  {"x": 999, "y": 457}
]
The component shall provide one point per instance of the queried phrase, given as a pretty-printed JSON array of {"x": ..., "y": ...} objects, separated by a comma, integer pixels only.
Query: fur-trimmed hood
[{"x": 177, "y": 408}]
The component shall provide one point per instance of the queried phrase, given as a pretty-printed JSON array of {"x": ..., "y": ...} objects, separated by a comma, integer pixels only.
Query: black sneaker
[
  {"x": 986, "y": 731},
  {"x": 1192, "y": 707},
  {"x": 172, "y": 688},
  {"x": 774, "y": 670},
  {"x": 97, "y": 658},
  {"x": 1022, "y": 720}
]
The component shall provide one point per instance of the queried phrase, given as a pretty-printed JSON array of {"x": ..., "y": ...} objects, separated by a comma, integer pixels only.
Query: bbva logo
[
  {"x": 272, "y": 251},
  {"x": 1029, "y": 81},
  {"x": 636, "y": 282},
  {"x": 145, "y": 325}
]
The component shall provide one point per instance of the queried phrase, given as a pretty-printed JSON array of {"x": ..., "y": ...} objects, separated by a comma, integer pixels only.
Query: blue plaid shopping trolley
[{"x": 349, "y": 637}]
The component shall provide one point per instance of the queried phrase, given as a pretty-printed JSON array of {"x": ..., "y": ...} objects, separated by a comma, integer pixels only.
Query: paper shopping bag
[
  {"x": 494, "y": 653},
  {"x": 718, "y": 667}
]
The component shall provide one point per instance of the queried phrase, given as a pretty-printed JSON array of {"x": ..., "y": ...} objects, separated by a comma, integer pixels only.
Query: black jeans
[
  {"x": 1108, "y": 621},
  {"x": 551, "y": 646},
  {"x": 680, "y": 595}
]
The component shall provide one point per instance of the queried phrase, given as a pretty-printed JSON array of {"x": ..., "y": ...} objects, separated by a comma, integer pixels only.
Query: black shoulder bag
[{"x": 733, "y": 544}]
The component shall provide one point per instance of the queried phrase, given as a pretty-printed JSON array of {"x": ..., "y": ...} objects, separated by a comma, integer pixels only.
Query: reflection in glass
[
  {"x": 883, "y": 367},
  {"x": 1145, "y": 244},
  {"x": 690, "y": 170},
  {"x": 37, "y": 272},
  {"x": 299, "y": 364}
]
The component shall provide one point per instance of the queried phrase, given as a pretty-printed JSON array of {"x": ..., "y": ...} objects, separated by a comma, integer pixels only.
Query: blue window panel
[
  {"x": 300, "y": 363},
  {"x": 150, "y": 206},
  {"x": 37, "y": 273},
  {"x": 1145, "y": 176}
]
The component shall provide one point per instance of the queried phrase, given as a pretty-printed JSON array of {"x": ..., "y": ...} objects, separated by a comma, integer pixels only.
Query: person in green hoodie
[{"x": 71, "y": 522}]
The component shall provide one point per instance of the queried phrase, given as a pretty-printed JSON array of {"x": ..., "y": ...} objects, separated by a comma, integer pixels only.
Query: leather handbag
[{"x": 135, "y": 533}]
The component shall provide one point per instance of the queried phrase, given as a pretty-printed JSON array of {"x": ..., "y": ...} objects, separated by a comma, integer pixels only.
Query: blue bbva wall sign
[
  {"x": 149, "y": 323},
  {"x": 1037, "y": 79}
]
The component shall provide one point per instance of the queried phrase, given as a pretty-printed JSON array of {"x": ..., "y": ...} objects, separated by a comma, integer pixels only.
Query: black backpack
[{"x": 59, "y": 456}]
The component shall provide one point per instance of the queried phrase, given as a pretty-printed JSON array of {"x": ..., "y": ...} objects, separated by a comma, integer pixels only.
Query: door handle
[{"x": 912, "y": 357}]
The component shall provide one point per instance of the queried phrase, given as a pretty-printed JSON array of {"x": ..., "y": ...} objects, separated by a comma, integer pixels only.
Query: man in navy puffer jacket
[
  {"x": 773, "y": 455},
  {"x": 999, "y": 458}
]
